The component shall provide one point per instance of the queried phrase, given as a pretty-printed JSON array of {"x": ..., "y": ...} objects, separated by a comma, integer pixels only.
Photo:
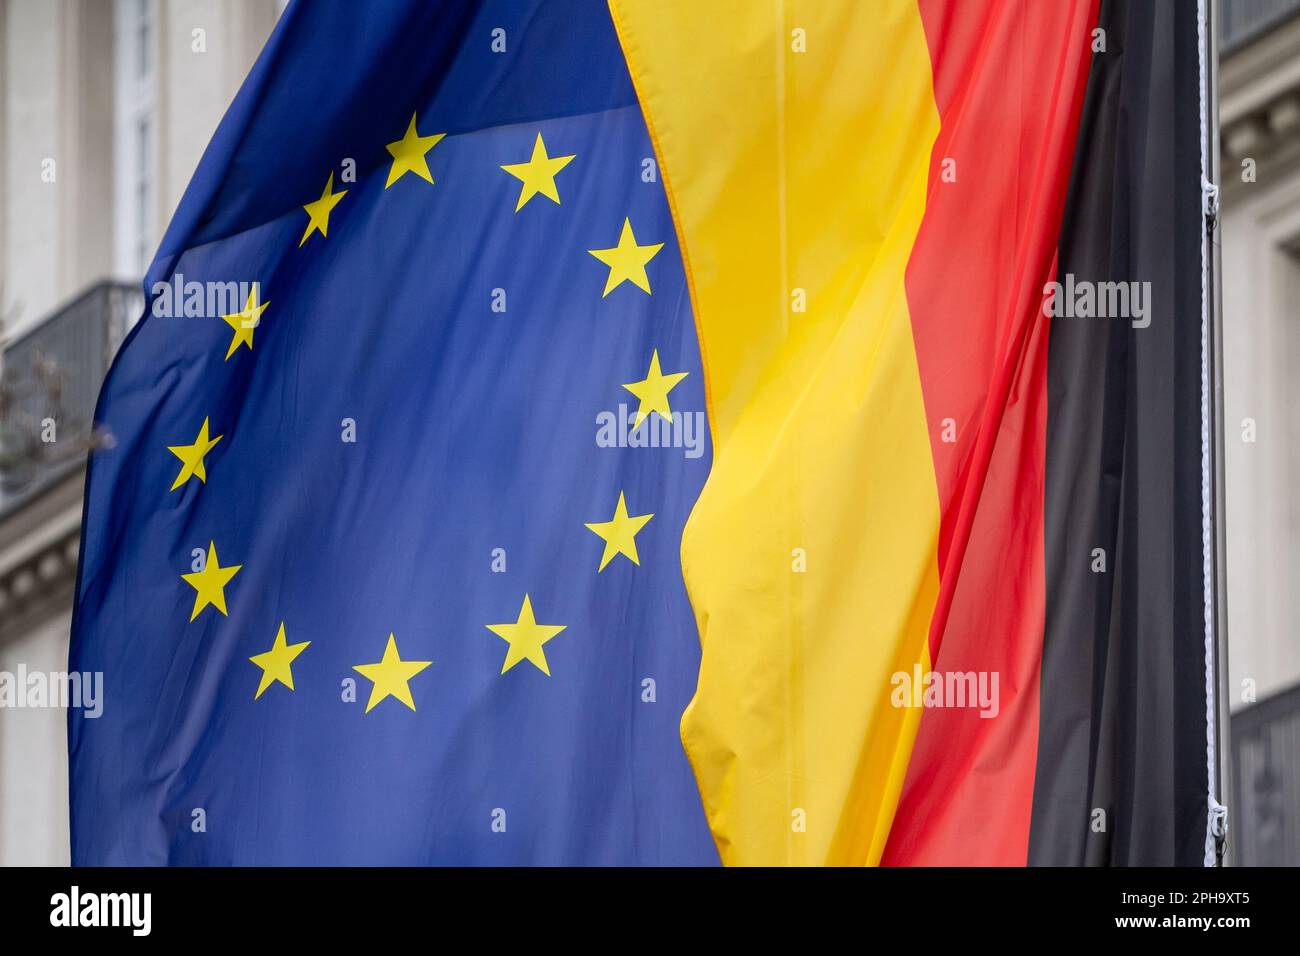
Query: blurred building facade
[
  {"x": 105, "y": 108},
  {"x": 1259, "y": 113},
  {"x": 122, "y": 96}
]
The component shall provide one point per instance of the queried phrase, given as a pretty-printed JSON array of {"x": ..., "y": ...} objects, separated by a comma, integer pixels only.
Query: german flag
[{"x": 946, "y": 264}]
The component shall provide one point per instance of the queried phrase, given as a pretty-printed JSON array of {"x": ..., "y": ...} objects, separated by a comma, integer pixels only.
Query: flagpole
[{"x": 1221, "y": 786}]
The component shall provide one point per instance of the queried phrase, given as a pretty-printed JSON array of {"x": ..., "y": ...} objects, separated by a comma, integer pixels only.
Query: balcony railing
[
  {"x": 1264, "y": 820},
  {"x": 54, "y": 371},
  {"x": 1241, "y": 21}
]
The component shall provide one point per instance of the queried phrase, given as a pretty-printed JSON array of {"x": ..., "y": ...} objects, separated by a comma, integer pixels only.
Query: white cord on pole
[{"x": 1216, "y": 813}]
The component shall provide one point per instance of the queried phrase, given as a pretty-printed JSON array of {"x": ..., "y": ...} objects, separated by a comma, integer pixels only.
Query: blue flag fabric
[{"x": 411, "y": 426}]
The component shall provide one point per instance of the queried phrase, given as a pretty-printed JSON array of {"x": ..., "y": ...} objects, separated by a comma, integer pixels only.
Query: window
[
  {"x": 143, "y": 194},
  {"x": 143, "y": 39},
  {"x": 134, "y": 137}
]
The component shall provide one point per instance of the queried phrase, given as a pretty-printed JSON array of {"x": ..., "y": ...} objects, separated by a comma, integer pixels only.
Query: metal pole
[{"x": 1214, "y": 293}]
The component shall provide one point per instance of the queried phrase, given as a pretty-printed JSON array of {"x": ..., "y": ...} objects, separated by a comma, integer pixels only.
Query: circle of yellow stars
[{"x": 390, "y": 676}]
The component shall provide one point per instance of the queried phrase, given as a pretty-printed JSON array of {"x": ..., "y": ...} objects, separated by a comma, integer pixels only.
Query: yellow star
[
  {"x": 538, "y": 174},
  {"x": 319, "y": 211},
  {"x": 627, "y": 261},
  {"x": 244, "y": 322},
  {"x": 210, "y": 583},
  {"x": 277, "y": 663},
  {"x": 191, "y": 457},
  {"x": 619, "y": 533},
  {"x": 390, "y": 676},
  {"x": 408, "y": 154},
  {"x": 653, "y": 390},
  {"x": 526, "y": 638}
]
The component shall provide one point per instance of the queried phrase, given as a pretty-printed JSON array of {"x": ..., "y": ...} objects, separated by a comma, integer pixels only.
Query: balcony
[
  {"x": 1241, "y": 21},
  {"x": 1264, "y": 821},
  {"x": 54, "y": 371}
]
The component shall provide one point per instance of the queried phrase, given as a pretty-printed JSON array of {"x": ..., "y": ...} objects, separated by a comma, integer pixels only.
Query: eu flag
[{"x": 382, "y": 566}]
